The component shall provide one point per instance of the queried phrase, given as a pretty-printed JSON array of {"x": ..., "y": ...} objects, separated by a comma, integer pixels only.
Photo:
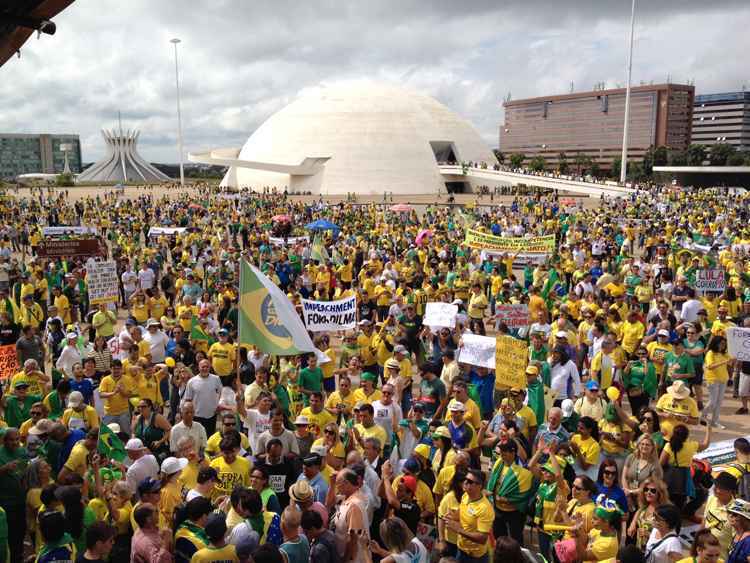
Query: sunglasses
[
  {"x": 648, "y": 418},
  {"x": 332, "y": 432},
  {"x": 650, "y": 490},
  {"x": 471, "y": 481},
  {"x": 609, "y": 472},
  {"x": 577, "y": 488}
]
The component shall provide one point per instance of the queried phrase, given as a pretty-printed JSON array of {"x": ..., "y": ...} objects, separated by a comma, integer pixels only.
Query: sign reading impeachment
[
  {"x": 486, "y": 241},
  {"x": 320, "y": 316}
]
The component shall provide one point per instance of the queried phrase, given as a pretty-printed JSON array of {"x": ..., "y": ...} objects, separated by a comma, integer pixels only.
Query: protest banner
[
  {"x": 537, "y": 245},
  {"x": 719, "y": 453},
  {"x": 55, "y": 248},
  {"x": 288, "y": 241},
  {"x": 514, "y": 316},
  {"x": 710, "y": 281},
  {"x": 738, "y": 343},
  {"x": 169, "y": 231},
  {"x": 8, "y": 361},
  {"x": 511, "y": 356},
  {"x": 440, "y": 315},
  {"x": 321, "y": 316},
  {"x": 477, "y": 350},
  {"x": 68, "y": 230},
  {"x": 102, "y": 282}
]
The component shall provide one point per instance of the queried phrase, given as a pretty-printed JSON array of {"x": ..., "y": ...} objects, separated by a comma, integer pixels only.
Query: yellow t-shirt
[
  {"x": 35, "y": 385},
  {"x": 716, "y": 519},
  {"x": 221, "y": 356},
  {"x": 590, "y": 448},
  {"x": 477, "y": 306},
  {"x": 668, "y": 404},
  {"x": 373, "y": 431},
  {"x": 157, "y": 306},
  {"x": 337, "y": 451},
  {"x": 476, "y": 516},
  {"x": 317, "y": 420},
  {"x": 212, "y": 444},
  {"x": 443, "y": 481},
  {"x": 632, "y": 333},
  {"x": 423, "y": 496},
  {"x": 449, "y": 504},
  {"x": 335, "y": 399},
  {"x": 210, "y": 554},
  {"x": 615, "y": 429},
  {"x": 359, "y": 395},
  {"x": 87, "y": 419},
  {"x": 116, "y": 404},
  {"x": 602, "y": 547},
  {"x": 231, "y": 475},
  {"x": 189, "y": 475},
  {"x": 585, "y": 511},
  {"x": 77, "y": 461},
  {"x": 170, "y": 498},
  {"x": 685, "y": 456},
  {"x": 719, "y": 374}
]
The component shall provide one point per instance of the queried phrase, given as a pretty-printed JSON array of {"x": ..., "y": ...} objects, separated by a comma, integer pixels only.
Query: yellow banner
[
  {"x": 485, "y": 241},
  {"x": 511, "y": 356}
]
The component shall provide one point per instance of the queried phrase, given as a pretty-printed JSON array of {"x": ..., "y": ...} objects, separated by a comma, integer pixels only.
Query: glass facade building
[
  {"x": 722, "y": 118},
  {"x": 30, "y": 153},
  {"x": 591, "y": 123}
]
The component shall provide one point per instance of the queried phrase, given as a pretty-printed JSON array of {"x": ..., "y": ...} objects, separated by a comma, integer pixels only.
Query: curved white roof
[{"x": 377, "y": 137}]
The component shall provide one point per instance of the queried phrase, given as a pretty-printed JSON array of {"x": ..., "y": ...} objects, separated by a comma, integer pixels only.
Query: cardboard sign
[
  {"x": 710, "y": 281},
  {"x": 323, "y": 316},
  {"x": 738, "y": 343},
  {"x": 69, "y": 230},
  {"x": 477, "y": 350},
  {"x": 511, "y": 357},
  {"x": 54, "y": 248},
  {"x": 514, "y": 316},
  {"x": 440, "y": 315},
  {"x": 8, "y": 361},
  {"x": 102, "y": 281}
]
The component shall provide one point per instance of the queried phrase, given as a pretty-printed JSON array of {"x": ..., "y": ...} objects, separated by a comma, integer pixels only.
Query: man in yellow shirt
[
  {"x": 231, "y": 469},
  {"x": 223, "y": 358},
  {"x": 367, "y": 428},
  {"x": 77, "y": 461},
  {"x": 39, "y": 383},
  {"x": 474, "y": 521},
  {"x": 115, "y": 390},
  {"x": 316, "y": 414}
]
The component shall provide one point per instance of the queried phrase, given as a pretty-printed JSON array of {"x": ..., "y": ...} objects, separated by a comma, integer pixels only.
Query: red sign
[{"x": 8, "y": 361}]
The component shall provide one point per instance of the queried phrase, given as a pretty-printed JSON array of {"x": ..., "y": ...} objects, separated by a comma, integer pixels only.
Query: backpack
[{"x": 743, "y": 482}]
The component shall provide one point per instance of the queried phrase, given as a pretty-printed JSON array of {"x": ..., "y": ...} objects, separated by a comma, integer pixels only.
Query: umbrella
[
  {"x": 195, "y": 206},
  {"x": 281, "y": 219},
  {"x": 401, "y": 208},
  {"x": 322, "y": 225},
  {"x": 424, "y": 233}
]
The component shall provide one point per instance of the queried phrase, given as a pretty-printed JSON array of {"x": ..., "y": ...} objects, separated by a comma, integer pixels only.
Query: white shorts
[{"x": 744, "y": 389}]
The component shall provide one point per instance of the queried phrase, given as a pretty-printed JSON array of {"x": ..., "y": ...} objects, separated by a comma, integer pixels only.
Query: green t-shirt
[
  {"x": 17, "y": 411},
  {"x": 311, "y": 379},
  {"x": 12, "y": 492},
  {"x": 680, "y": 365}
]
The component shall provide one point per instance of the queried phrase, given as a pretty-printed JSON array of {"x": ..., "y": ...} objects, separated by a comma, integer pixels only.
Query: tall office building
[
  {"x": 590, "y": 123},
  {"x": 29, "y": 153},
  {"x": 722, "y": 118}
]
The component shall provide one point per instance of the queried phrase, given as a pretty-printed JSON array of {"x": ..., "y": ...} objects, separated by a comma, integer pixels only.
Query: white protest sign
[
  {"x": 477, "y": 350},
  {"x": 440, "y": 315},
  {"x": 71, "y": 230},
  {"x": 738, "y": 343},
  {"x": 514, "y": 316},
  {"x": 321, "y": 316},
  {"x": 288, "y": 241},
  {"x": 102, "y": 282},
  {"x": 156, "y": 231},
  {"x": 710, "y": 281}
]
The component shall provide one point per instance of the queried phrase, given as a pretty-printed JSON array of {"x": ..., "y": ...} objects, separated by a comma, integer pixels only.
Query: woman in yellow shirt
[
  {"x": 171, "y": 488},
  {"x": 38, "y": 476},
  {"x": 677, "y": 457},
  {"x": 601, "y": 543},
  {"x": 716, "y": 375},
  {"x": 332, "y": 441},
  {"x": 450, "y": 503},
  {"x": 139, "y": 307}
]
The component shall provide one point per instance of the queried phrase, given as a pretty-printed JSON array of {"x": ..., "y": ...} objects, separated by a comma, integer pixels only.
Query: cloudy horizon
[{"x": 240, "y": 63}]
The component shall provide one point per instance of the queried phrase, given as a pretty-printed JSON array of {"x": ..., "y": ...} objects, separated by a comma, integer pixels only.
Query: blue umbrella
[{"x": 322, "y": 225}]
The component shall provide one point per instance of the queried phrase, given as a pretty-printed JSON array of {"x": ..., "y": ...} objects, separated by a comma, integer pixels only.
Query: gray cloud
[{"x": 241, "y": 61}]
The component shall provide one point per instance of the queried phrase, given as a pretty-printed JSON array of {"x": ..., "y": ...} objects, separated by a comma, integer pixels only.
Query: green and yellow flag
[
  {"x": 267, "y": 319},
  {"x": 109, "y": 445},
  {"x": 318, "y": 250},
  {"x": 513, "y": 483},
  {"x": 197, "y": 333}
]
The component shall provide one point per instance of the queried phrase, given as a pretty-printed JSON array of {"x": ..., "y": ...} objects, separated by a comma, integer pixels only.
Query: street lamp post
[
  {"x": 175, "y": 41},
  {"x": 626, "y": 126}
]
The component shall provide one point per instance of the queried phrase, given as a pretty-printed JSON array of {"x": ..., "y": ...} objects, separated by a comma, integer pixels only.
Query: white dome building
[{"x": 366, "y": 138}]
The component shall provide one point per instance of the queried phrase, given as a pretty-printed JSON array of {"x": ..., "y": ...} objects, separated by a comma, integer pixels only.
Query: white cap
[
  {"x": 71, "y": 335},
  {"x": 114, "y": 427},
  {"x": 457, "y": 302},
  {"x": 75, "y": 399},
  {"x": 663, "y": 332},
  {"x": 561, "y": 334},
  {"x": 173, "y": 465},
  {"x": 320, "y": 449},
  {"x": 456, "y": 406},
  {"x": 400, "y": 349},
  {"x": 135, "y": 444},
  {"x": 301, "y": 419},
  {"x": 567, "y": 408}
]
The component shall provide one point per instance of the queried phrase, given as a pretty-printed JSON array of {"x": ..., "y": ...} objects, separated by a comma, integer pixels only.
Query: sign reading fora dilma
[
  {"x": 321, "y": 316},
  {"x": 52, "y": 248},
  {"x": 710, "y": 281}
]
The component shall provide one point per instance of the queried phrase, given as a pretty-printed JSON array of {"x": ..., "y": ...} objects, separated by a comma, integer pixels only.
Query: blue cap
[{"x": 592, "y": 385}]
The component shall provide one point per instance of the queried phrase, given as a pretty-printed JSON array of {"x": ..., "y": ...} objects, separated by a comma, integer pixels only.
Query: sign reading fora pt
[
  {"x": 321, "y": 316},
  {"x": 710, "y": 281}
]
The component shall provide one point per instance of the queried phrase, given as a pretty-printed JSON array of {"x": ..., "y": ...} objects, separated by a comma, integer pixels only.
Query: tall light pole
[
  {"x": 175, "y": 41},
  {"x": 626, "y": 126}
]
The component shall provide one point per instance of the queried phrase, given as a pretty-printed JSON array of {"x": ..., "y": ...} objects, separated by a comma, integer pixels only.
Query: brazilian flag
[
  {"x": 197, "y": 333},
  {"x": 109, "y": 445},
  {"x": 267, "y": 319},
  {"x": 516, "y": 485},
  {"x": 318, "y": 250}
]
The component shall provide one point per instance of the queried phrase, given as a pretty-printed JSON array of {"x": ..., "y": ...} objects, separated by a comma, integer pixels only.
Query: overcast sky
[{"x": 241, "y": 61}]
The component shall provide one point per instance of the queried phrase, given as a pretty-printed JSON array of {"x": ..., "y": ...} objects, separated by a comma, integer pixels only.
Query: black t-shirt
[
  {"x": 409, "y": 512},
  {"x": 280, "y": 477},
  {"x": 83, "y": 559},
  {"x": 412, "y": 326}
]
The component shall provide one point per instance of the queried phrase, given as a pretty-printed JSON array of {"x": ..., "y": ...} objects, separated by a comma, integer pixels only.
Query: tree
[
  {"x": 516, "y": 159},
  {"x": 648, "y": 161},
  {"x": 737, "y": 159},
  {"x": 537, "y": 163},
  {"x": 720, "y": 153},
  {"x": 562, "y": 163},
  {"x": 64, "y": 180},
  {"x": 616, "y": 167},
  {"x": 678, "y": 158},
  {"x": 696, "y": 154},
  {"x": 582, "y": 162},
  {"x": 595, "y": 170},
  {"x": 499, "y": 156}
]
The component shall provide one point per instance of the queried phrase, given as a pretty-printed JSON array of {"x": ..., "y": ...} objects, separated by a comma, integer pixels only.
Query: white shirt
[
  {"x": 384, "y": 416},
  {"x": 68, "y": 358},
  {"x": 157, "y": 343},
  {"x": 690, "y": 310},
  {"x": 141, "y": 469},
  {"x": 129, "y": 278},
  {"x": 560, "y": 375},
  {"x": 205, "y": 393},
  {"x": 661, "y": 553},
  {"x": 256, "y": 423},
  {"x": 146, "y": 278},
  {"x": 195, "y": 431}
]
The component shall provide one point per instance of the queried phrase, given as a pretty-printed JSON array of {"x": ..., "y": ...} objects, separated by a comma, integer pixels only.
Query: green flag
[
  {"x": 318, "y": 250},
  {"x": 109, "y": 445},
  {"x": 196, "y": 332}
]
